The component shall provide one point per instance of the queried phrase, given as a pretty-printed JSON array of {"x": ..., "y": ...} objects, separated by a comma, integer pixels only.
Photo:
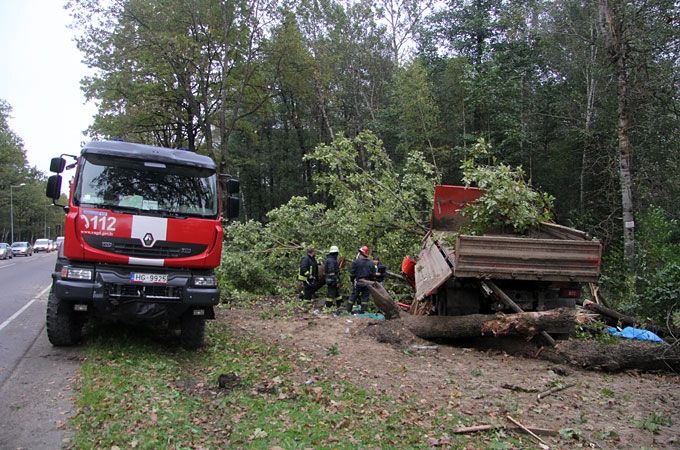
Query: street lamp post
[{"x": 11, "y": 208}]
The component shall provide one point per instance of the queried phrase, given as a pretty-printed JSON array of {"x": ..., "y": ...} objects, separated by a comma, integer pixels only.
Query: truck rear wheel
[
  {"x": 192, "y": 331},
  {"x": 64, "y": 328}
]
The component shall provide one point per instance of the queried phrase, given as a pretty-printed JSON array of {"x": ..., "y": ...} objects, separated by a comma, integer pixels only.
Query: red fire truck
[{"x": 143, "y": 235}]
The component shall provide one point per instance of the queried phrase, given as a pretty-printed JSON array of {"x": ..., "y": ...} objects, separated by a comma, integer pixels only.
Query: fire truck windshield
[{"x": 146, "y": 187}]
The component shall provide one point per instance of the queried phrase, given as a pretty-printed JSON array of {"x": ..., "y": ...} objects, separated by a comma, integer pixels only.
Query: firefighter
[
  {"x": 362, "y": 269},
  {"x": 332, "y": 277},
  {"x": 309, "y": 274}
]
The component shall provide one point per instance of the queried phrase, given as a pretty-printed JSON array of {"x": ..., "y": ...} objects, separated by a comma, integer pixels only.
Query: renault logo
[{"x": 148, "y": 240}]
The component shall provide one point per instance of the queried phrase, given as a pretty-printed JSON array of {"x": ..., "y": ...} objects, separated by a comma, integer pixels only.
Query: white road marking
[
  {"x": 10, "y": 264},
  {"x": 23, "y": 308}
]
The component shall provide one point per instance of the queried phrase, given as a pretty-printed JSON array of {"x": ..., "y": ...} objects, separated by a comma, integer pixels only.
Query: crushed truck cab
[{"x": 142, "y": 237}]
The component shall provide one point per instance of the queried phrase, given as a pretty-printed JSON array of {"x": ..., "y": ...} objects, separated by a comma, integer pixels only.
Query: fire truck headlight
[
  {"x": 205, "y": 281},
  {"x": 76, "y": 273}
]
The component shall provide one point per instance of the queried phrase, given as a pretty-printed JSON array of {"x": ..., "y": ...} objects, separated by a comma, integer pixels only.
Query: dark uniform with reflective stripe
[
  {"x": 309, "y": 275},
  {"x": 362, "y": 269},
  {"x": 332, "y": 271}
]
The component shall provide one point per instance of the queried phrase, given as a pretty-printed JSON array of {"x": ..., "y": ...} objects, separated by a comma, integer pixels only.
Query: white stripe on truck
[
  {"x": 157, "y": 226},
  {"x": 141, "y": 226},
  {"x": 146, "y": 262}
]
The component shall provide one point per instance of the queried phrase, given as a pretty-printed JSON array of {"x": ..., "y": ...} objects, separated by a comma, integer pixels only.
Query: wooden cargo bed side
[
  {"x": 432, "y": 269},
  {"x": 507, "y": 257}
]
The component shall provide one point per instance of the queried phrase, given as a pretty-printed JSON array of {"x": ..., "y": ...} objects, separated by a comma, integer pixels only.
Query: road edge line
[{"x": 23, "y": 308}]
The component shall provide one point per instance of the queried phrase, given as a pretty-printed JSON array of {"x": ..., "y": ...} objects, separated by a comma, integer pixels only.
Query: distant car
[
  {"x": 53, "y": 246},
  {"x": 41, "y": 245},
  {"x": 22, "y": 248},
  {"x": 59, "y": 241},
  {"x": 5, "y": 251}
]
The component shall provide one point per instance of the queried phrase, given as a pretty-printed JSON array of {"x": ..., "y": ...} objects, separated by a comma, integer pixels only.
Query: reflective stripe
[{"x": 146, "y": 261}]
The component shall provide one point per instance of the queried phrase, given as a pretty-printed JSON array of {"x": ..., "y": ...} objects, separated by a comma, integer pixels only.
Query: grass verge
[{"x": 138, "y": 389}]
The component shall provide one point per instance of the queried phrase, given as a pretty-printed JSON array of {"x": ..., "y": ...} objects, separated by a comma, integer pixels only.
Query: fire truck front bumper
[{"x": 137, "y": 293}]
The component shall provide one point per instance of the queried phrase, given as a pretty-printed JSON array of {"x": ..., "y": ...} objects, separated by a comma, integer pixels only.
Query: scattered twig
[
  {"x": 551, "y": 391},
  {"x": 515, "y": 388},
  {"x": 475, "y": 429},
  {"x": 484, "y": 427},
  {"x": 541, "y": 442},
  {"x": 595, "y": 291}
]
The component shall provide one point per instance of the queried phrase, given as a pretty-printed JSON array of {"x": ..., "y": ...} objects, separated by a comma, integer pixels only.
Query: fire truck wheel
[
  {"x": 192, "y": 331},
  {"x": 63, "y": 328}
]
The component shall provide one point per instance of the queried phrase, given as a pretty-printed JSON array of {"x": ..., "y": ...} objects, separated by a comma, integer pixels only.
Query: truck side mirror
[
  {"x": 233, "y": 186},
  {"x": 232, "y": 206},
  {"x": 53, "y": 190},
  {"x": 232, "y": 202},
  {"x": 57, "y": 165}
]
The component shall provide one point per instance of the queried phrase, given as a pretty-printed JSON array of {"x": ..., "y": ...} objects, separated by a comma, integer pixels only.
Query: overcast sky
[{"x": 40, "y": 78}]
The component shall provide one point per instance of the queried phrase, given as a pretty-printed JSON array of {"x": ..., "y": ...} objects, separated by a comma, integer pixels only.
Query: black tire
[
  {"x": 192, "y": 331},
  {"x": 63, "y": 327}
]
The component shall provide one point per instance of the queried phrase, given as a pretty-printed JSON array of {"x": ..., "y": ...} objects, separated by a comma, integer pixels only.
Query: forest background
[{"x": 339, "y": 117}]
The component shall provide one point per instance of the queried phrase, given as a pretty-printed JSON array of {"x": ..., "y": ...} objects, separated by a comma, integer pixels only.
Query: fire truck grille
[
  {"x": 128, "y": 291},
  {"x": 135, "y": 248}
]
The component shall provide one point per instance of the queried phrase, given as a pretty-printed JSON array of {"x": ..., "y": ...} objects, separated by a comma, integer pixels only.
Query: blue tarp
[
  {"x": 376, "y": 316},
  {"x": 635, "y": 333}
]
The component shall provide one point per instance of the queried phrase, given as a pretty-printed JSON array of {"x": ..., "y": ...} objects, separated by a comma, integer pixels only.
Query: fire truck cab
[{"x": 142, "y": 237}]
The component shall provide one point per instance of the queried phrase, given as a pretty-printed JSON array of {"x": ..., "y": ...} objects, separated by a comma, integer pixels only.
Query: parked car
[
  {"x": 5, "y": 251},
  {"x": 52, "y": 246},
  {"x": 22, "y": 248},
  {"x": 41, "y": 245},
  {"x": 59, "y": 241}
]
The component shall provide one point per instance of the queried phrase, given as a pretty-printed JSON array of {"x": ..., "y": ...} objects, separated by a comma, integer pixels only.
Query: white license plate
[{"x": 153, "y": 278}]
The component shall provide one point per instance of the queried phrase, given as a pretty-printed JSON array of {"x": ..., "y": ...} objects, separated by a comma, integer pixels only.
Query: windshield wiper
[
  {"x": 118, "y": 208},
  {"x": 175, "y": 214}
]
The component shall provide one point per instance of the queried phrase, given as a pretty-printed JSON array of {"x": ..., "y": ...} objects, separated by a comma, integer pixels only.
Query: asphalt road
[
  {"x": 35, "y": 392},
  {"x": 23, "y": 280}
]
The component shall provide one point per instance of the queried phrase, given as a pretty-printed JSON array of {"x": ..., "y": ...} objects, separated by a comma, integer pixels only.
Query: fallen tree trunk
[
  {"x": 612, "y": 315},
  {"x": 593, "y": 355},
  {"x": 453, "y": 327},
  {"x": 590, "y": 355},
  {"x": 526, "y": 324},
  {"x": 615, "y": 318},
  {"x": 382, "y": 299},
  {"x": 503, "y": 297}
]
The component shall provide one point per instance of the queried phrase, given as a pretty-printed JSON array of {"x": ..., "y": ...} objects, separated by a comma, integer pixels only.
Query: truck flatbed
[{"x": 553, "y": 253}]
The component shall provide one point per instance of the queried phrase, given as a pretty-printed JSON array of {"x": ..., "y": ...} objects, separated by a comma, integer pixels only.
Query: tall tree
[
  {"x": 403, "y": 17},
  {"x": 636, "y": 35},
  {"x": 33, "y": 216},
  {"x": 169, "y": 71}
]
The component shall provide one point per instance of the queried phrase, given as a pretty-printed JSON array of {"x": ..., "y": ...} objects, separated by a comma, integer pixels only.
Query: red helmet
[{"x": 364, "y": 250}]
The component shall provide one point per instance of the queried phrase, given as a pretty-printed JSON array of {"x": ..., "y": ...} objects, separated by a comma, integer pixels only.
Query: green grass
[
  {"x": 138, "y": 389},
  {"x": 653, "y": 422}
]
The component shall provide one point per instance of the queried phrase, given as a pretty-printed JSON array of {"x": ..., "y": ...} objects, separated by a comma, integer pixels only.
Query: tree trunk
[
  {"x": 613, "y": 29},
  {"x": 591, "y": 86},
  {"x": 615, "y": 318},
  {"x": 593, "y": 355},
  {"x": 451, "y": 327},
  {"x": 382, "y": 299},
  {"x": 473, "y": 325},
  {"x": 625, "y": 154}
]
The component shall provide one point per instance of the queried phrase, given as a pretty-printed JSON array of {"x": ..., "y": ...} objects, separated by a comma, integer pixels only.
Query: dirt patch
[{"x": 623, "y": 410}]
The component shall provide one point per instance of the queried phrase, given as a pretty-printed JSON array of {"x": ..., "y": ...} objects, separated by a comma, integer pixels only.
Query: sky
[{"x": 40, "y": 78}]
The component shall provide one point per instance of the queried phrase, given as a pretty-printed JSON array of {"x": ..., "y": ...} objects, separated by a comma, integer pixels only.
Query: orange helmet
[{"x": 364, "y": 250}]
